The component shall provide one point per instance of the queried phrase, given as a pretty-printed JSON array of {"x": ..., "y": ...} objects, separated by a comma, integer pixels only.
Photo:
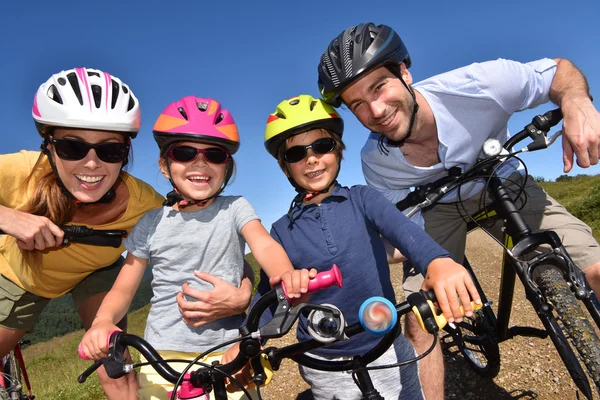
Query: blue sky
[{"x": 251, "y": 55}]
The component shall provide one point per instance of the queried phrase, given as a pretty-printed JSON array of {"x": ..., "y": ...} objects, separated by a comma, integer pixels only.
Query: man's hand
[
  {"x": 223, "y": 301},
  {"x": 453, "y": 286},
  {"x": 581, "y": 132}
]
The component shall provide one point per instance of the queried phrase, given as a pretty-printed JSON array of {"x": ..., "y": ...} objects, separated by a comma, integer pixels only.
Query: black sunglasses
[
  {"x": 75, "y": 150},
  {"x": 214, "y": 155},
  {"x": 319, "y": 146}
]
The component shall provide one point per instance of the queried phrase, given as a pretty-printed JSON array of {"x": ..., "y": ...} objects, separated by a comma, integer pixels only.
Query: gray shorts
[
  {"x": 446, "y": 224},
  {"x": 391, "y": 383},
  {"x": 20, "y": 309}
]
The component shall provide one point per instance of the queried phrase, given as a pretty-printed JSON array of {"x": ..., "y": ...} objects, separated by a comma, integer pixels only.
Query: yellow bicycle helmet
[{"x": 297, "y": 115}]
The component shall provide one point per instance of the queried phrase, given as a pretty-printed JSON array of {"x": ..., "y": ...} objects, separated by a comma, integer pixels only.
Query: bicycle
[
  {"x": 553, "y": 284},
  {"x": 13, "y": 371},
  {"x": 326, "y": 325}
]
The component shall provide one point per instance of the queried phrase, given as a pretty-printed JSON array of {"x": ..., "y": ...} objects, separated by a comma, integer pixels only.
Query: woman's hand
[
  {"x": 31, "y": 231},
  {"x": 223, "y": 301},
  {"x": 94, "y": 344}
]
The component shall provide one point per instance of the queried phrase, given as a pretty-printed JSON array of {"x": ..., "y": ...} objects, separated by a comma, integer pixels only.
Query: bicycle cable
[{"x": 212, "y": 367}]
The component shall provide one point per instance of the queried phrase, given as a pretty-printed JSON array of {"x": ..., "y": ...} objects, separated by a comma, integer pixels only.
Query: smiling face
[
  {"x": 90, "y": 178},
  {"x": 381, "y": 102},
  {"x": 315, "y": 171},
  {"x": 197, "y": 179}
]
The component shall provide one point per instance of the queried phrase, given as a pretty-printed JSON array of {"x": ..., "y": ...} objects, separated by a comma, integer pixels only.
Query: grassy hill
[{"x": 54, "y": 365}]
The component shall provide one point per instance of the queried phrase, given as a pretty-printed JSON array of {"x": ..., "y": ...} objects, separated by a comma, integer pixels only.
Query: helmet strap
[{"x": 108, "y": 197}]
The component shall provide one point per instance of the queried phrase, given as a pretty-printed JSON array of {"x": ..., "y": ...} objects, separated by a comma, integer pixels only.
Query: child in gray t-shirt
[{"x": 195, "y": 230}]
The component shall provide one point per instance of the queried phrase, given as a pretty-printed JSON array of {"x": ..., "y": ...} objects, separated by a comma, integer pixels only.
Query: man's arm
[{"x": 581, "y": 124}]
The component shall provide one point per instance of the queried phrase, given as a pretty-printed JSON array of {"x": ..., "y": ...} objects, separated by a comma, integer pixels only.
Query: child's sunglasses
[
  {"x": 319, "y": 146},
  {"x": 214, "y": 155},
  {"x": 75, "y": 150}
]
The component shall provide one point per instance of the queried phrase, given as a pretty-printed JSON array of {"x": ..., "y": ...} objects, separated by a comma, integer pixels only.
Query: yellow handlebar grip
[{"x": 440, "y": 320}]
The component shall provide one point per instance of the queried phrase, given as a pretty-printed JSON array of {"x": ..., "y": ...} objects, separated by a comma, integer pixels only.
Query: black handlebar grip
[{"x": 548, "y": 120}]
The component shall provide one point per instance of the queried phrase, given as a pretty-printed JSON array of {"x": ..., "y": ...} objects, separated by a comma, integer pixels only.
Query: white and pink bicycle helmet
[
  {"x": 88, "y": 99},
  {"x": 197, "y": 119}
]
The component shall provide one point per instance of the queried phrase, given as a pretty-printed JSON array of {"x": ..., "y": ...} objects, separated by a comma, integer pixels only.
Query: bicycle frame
[
  {"x": 4, "y": 383},
  {"x": 513, "y": 265}
]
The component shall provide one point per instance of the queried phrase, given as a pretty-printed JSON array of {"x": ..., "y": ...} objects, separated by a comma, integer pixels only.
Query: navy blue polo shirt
[{"x": 346, "y": 229}]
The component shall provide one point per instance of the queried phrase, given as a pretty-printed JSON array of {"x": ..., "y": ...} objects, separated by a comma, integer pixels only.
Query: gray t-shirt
[{"x": 178, "y": 243}]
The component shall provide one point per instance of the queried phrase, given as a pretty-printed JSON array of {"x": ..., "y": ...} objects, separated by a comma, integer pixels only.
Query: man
[{"x": 420, "y": 131}]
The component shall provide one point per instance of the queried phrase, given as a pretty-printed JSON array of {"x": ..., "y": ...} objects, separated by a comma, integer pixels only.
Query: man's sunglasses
[
  {"x": 75, "y": 150},
  {"x": 319, "y": 146},
  {"x": 214, "y": 155}
]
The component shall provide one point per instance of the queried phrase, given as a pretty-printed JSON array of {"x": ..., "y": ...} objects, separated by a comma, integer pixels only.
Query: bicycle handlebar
[
  {"x": 284, "y": 318},
  {"x": 425, "y": 195},
  {"x": 95, "y": 237}
]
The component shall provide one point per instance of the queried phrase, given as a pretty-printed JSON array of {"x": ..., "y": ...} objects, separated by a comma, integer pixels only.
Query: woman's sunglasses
[
  {"x": 75, "y": 150},
  {"x": 214, "y": 155},
  {"x": 319, "y": 146}
]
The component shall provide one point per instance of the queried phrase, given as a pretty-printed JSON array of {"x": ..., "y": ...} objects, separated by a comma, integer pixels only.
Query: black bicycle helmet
[{"x": 358, "y": 49}]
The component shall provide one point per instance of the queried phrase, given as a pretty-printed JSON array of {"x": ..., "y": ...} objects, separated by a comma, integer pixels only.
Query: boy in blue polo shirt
[{"x": 328, "y": 223}]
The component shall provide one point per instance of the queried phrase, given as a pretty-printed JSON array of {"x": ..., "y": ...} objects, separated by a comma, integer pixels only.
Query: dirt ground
[{"x": 530, "y": 367}]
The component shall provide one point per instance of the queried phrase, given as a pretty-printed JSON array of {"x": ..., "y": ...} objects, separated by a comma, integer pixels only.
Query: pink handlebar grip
[{"x": 323, "y": 280}]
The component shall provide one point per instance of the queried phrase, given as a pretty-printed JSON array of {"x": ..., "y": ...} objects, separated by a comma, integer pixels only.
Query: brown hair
[
  {"x": 338, "y": 151},
  {"x": 48, "y": 200}
]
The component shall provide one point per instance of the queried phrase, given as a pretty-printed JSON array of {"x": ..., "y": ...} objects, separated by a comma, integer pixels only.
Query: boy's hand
[
  {"x": 296, "y": 281},
  {"x": 453, "y": 286},
  {"x": 95, "y": 341}
]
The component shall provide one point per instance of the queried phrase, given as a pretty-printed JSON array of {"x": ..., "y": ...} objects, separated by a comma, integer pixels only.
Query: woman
[{"x": 86, "y": 118}]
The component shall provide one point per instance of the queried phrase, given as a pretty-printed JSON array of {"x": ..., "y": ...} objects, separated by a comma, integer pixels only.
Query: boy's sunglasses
[
  {"x": 319, "y": 146},
  {"x": 75, "y": 150},
  {"x": 214, "y": 155}
]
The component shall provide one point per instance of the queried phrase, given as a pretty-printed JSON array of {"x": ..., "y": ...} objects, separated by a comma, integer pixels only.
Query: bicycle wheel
[
  {"x": 474, "y": 339},
  {"x": 12, "y": 376},
  {"x": 575, "y": 322}
]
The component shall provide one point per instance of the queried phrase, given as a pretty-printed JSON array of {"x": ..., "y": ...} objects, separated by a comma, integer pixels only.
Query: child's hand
[
  {"x": 95, "y": 341},
  {"x": 296, "y": 281},
  {"x": 453, "y": 286}
]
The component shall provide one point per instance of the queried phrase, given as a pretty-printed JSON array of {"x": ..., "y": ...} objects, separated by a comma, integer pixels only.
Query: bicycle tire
[
  {"x": 575, "y": 321},
  {"x": 13, "y": 370},
  {"x": 474, "y": 338}
]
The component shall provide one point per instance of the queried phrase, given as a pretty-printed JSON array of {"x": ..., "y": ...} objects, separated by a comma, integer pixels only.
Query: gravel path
[{"x": 530, "y": 367}]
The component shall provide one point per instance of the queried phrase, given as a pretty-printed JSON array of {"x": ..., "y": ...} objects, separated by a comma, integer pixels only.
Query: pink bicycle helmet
[
  {"x": 197, "y": 119},
  {"x": 88, "y": 99}
]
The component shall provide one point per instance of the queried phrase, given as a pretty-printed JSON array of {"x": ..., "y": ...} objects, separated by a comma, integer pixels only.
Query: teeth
[
  {"x": 89, "y": 179},
  {"x": 199, "y": 178},
  {"x": 313, "y": 174},
  {"x": 388, "y": 120}
]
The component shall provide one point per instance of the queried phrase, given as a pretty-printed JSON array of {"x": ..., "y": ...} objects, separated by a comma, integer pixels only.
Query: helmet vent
[
  {"x": 294, "y": 102},
  {"x": 219, "y": 118},
  {"x": 280, "y": 115},
  {"x": 182, "y": 112},
  {"x": 131, "y": 104},
  {"x": 115, "y": 94},
  {"x": 97, "y": 94},
  {"x": 202, "y": 106},
  {"x": 54, "y": 95},
  {"x": 62, "y": 81},
  {"x": 90, "y": 73},
  {"x": 312, "y": 104},
  {"x": 72, "y": 77},
  {"x": 125, "y": 89}
]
